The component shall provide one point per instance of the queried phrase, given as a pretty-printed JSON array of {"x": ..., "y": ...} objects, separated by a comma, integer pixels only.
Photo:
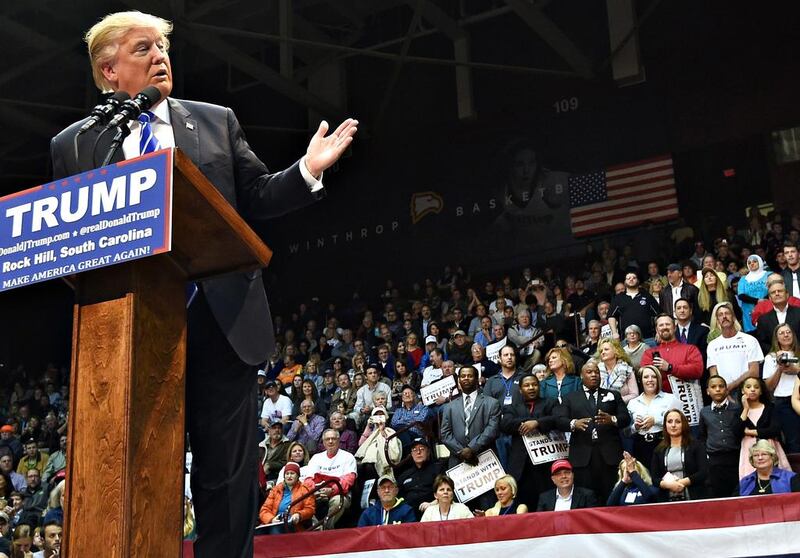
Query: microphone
[
  {"x": 132, "y": 108},
  {"x": 101, "y": 113}
]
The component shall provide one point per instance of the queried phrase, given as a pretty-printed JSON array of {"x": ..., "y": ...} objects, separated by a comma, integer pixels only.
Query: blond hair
[
  {"x": 640, "y": 468},
  {"x": 619, "y": 352},
  {"x": 103, "y": 39}
]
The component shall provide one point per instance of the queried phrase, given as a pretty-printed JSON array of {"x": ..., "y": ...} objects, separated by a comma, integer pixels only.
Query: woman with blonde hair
[
  {"x": 22, "y": 542},
  {"x": 413, "y": 349},
  {"x": 634, "y": 485},
  {"x": 712, "y": 291},
  {"x": 767, "y": 477},
  {"x": 616, "y": 372},
  {"x": 655, "y": 287},
  {"x": 505, "y": 488}
]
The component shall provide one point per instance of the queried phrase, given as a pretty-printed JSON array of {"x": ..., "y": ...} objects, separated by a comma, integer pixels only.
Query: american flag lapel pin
[{"x": 190, "y": 126}]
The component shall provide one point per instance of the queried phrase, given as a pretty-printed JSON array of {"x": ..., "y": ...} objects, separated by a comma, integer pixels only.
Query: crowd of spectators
[
  {"x": 364, "y": 407},
  {"x": 33, "y": 460},
  {"x": 667, "y": 379}
]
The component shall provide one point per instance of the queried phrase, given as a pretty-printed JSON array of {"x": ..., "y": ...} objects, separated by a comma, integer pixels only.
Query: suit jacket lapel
[
  {"x": 584, "y": 399},
  {"x": 185, "y": 130}
]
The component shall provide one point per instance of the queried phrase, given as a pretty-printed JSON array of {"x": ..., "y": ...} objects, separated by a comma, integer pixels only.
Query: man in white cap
[{"x": 433, "y": 371}]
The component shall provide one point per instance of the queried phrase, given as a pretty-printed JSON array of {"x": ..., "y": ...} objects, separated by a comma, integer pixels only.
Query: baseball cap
[
  {"x": 430, "y": 339},
  {"x": 419, "y": 441},
  {"x": 4, "y": 516},
  {"x": 7, "y": 428},
  {"x": 271, "y": 384},
  {"x": 385, "y": 478},
  {"x": 459, "y": 332},
  {"x": 559, "y": 465},
  {"x": 262, "y": 373},
  {"x": 674, "y": 267}
]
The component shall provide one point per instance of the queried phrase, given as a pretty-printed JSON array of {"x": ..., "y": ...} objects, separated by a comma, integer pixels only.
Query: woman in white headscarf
[{"x": 752, "y": 287}]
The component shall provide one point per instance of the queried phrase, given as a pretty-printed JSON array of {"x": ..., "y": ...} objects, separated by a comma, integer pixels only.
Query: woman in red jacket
[{"x": 277, "y": 505}]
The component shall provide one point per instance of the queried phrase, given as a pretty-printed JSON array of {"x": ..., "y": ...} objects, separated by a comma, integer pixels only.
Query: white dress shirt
[{"x": 563, "y": 504}]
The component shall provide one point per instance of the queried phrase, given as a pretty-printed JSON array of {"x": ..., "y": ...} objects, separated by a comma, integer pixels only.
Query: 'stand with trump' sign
[{"x": 102, "y": 217}]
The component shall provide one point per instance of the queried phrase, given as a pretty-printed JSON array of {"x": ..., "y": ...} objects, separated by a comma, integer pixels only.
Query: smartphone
[{"x": 656, "y": 354}]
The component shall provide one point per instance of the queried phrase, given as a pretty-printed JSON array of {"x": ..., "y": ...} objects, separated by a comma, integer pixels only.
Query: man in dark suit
[
  {"x": 595, "y": 417},
  {"x": 690, "y": 332},
  {"x": 677, "y": 288},
  {"x": 470, "y": 424},
  {"x": 229, "y": 323},
  {"x": 566, "y": 496},
  {"x": 781, "y": 313},
  {"x": 791, "y": 274},
  {"x": 687, "y": 330}
]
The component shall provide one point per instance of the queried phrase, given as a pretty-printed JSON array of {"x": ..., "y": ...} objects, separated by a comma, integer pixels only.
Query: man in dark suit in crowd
[
  {"x": 595, "y": 417},
  {"x": 782, "y": 313},
  {"x": 229, "y": 323},
  {"x": 791, "y": 274},
  {"x": 566, "y": 496},
  {"x": 470, "y": 424},
  {"x": 690, "y": 332},
  {"x": 677, "y": 288}
]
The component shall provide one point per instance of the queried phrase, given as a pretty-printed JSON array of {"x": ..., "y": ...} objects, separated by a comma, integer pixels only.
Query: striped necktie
[
  {"x": 467, "y": 412},
  {"x": 148, "y": 142}
]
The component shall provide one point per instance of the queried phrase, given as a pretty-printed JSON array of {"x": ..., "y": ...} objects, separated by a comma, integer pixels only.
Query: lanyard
[{"x": 508, "y": 384}]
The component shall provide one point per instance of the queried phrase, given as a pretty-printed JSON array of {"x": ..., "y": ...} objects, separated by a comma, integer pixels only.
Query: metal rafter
[
  {"x": 210, "y": 43},
  {"x": 553, "y": 36}
]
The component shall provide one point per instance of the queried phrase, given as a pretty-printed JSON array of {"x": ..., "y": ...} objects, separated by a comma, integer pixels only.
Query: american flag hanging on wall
[{"x": 623, "y": 196}]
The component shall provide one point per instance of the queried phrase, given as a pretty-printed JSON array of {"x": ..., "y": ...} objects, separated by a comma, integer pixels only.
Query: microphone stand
[{"x": 123, "y": 131}]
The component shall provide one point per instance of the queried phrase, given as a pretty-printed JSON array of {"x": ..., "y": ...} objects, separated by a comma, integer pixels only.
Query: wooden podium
[{"x": 125, "y": 455}]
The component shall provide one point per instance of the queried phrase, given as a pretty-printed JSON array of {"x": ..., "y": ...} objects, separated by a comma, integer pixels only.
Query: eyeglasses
[{"x": 562, "y": 346}]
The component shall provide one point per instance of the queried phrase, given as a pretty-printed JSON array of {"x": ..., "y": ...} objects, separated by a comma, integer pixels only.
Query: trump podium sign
[{"x": 98, "y": 218}]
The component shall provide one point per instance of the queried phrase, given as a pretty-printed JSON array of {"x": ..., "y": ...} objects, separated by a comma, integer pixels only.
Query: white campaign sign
[
  {"x": 544, "y": 448},
  {"x": 493, "y": 350},
  {"x": 441, "y": 388},
  {"x": 473, "y": 480},
  {"x": 690, "y": 396}
]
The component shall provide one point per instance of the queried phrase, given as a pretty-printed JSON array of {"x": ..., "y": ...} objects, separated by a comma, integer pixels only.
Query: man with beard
[
  {"x": 633, "y": 306},
  {"x": 672, "y": 357}
]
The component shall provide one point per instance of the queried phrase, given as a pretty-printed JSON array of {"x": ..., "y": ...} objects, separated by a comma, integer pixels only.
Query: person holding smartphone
[{"x": 671, "y": 357}]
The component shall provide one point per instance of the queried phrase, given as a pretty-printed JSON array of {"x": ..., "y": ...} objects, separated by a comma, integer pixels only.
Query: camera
[
  {"x": 786, "y": 358},
  {"x": 377, "y": 419}
]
